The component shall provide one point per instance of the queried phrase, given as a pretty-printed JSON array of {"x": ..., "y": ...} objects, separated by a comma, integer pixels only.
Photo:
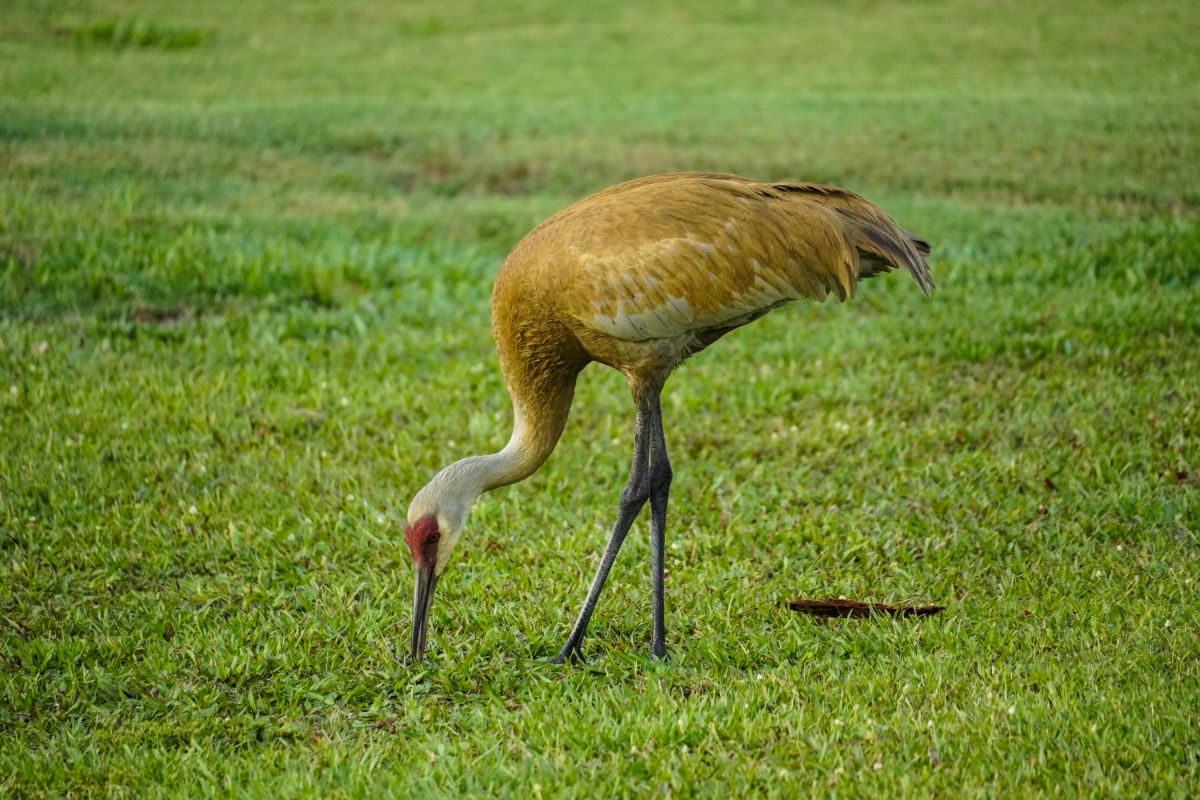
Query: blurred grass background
[{"x": 246, "y": 251}]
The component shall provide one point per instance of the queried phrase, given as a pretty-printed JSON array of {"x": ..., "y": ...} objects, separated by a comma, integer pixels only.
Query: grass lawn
[{"x": 246, "y": 252}]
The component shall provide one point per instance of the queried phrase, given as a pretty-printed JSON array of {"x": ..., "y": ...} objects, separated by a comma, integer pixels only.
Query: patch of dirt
[{"x": 163, "y": 317}]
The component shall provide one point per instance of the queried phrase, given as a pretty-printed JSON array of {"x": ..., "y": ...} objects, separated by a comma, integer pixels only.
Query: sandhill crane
[{"x": 640, "y": 276}]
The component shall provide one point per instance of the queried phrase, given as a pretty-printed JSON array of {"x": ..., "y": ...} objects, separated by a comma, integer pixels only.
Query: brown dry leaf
[{"x": 838, "y": 607}]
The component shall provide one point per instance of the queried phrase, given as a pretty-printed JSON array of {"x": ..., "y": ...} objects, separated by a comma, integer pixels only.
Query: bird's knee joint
[{"x": 635, "y": 495}]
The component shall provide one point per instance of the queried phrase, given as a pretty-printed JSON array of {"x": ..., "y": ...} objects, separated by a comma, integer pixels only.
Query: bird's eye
[{"x": 433, "y": 537}]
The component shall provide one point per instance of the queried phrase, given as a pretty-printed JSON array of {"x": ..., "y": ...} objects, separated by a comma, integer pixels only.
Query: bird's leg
[
  {"x": 633, "y": 497},
  {"x": 660, "y": 487}
]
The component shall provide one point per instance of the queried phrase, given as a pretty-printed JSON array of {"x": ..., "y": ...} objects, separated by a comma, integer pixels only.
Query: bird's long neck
[
  {"x": 536, "y": 431},
  {"x": 539, "y": 417}
]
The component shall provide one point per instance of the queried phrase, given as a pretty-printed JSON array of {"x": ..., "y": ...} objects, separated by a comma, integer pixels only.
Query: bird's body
[{"x": 639, "y": 277}]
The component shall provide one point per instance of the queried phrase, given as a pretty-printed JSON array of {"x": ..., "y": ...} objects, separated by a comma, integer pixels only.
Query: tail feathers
[
  {"x": 880, "y": 243},
  {"x": 922, "y": 246},
  {"x": 883, "y": 249}
]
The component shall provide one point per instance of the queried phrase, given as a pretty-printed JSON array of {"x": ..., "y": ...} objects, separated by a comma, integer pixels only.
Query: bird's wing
[{"x": 667, "y": 255}]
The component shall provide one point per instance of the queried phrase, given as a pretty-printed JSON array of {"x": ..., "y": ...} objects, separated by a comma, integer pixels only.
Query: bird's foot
[
  {"x": 571, "y": 652},
  {"x": 659, "y": 651}
]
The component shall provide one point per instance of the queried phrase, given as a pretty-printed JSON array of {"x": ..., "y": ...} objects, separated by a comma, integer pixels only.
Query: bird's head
[{"x": 435, "y": 520}]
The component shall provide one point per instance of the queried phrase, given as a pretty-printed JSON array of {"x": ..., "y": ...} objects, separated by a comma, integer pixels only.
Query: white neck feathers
[{"x": 452, "y": 492}]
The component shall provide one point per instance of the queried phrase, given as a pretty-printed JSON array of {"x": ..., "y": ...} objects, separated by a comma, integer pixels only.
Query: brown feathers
[
  {"x": 646, "y": 273},
  {"x": 872, "y": 232},
  {"x": 675, "y": 255}
]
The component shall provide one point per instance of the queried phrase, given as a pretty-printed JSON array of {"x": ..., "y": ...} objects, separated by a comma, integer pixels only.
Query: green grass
[{"x": 246, "y": 252}]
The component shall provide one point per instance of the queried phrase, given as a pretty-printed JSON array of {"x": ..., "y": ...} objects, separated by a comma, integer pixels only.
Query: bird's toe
[{"x": 570, "y": 653}]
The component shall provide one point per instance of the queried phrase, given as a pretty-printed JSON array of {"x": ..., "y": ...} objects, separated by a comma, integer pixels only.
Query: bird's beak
[{"x": 422, "y": 600}]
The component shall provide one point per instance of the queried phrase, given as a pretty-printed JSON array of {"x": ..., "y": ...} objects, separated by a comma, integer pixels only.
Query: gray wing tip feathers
[
  {"x": 896, "y": 247},
  {"x": 917, "y": 267}
]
